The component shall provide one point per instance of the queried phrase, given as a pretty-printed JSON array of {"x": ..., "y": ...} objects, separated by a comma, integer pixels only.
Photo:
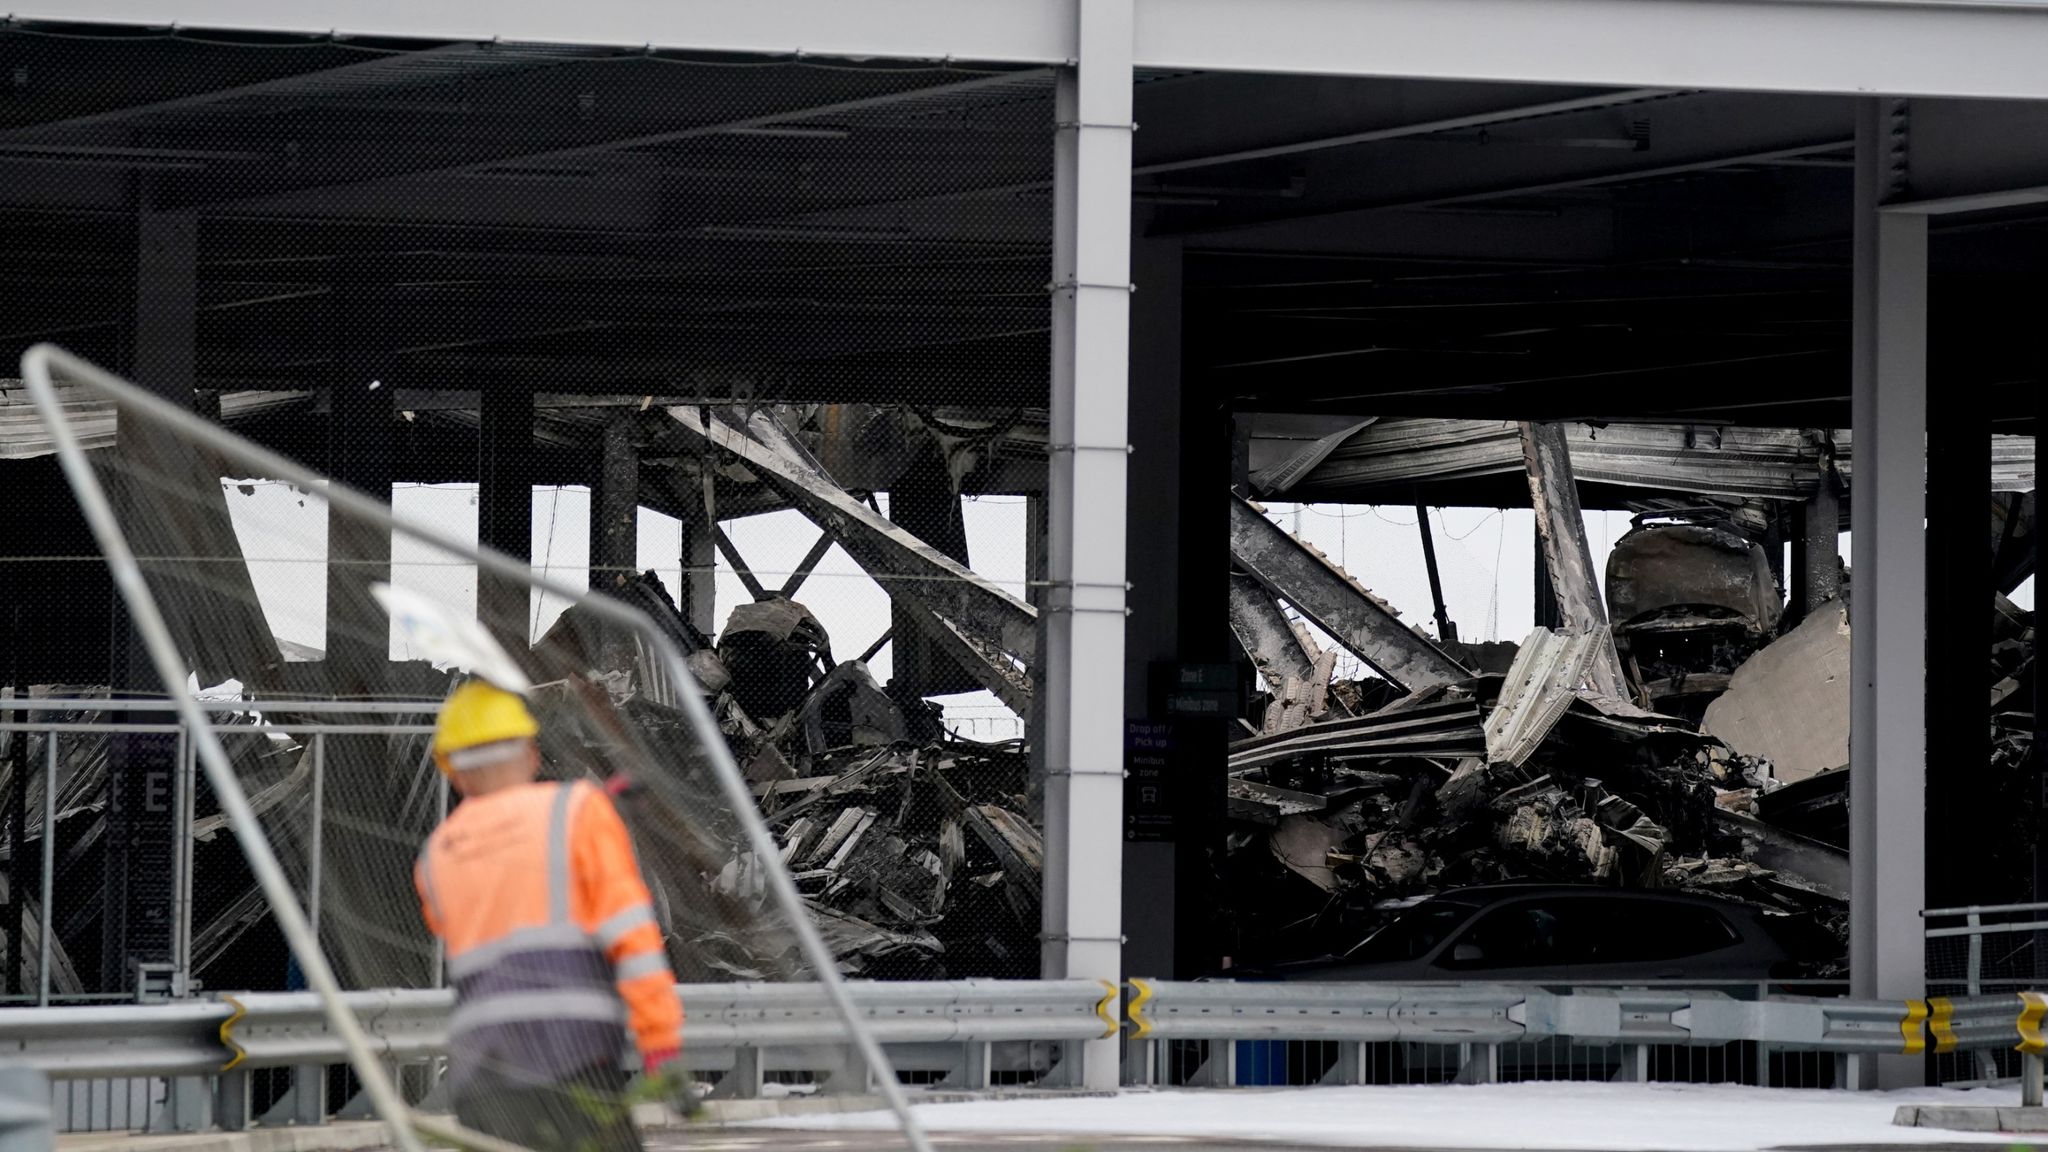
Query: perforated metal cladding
[{"x": 495, "y": 268}]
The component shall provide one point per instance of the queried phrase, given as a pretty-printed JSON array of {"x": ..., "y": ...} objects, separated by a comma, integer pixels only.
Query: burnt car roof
[{"x": 1480, "y": 893}]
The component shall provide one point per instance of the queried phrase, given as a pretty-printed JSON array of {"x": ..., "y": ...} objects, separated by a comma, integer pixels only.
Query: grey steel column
[
  {"x": 1887, "y": 728},
  {"x": 1083, "y": 658}
]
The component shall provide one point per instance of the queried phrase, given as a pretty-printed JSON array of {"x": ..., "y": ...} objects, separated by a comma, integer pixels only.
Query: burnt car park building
[{"x": 1113, "y": 257}]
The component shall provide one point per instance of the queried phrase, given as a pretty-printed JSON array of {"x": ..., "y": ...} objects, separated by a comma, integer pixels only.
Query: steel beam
[
  {"x": 1561, "y": 528},
  {"x": 1888, "y": 613},
  {"x": 1690, "y": 132},
  {"x": 1967, "y": 156},
  {"x": 1083, "y": 665},
  {"x": 994, "y": 631},
  {"x": 377, "y": 71},
  {"x": 1915, "y": 47},
  {"x": 1266, "y": 635},
  {"x": 543, "y": 156},
  {"x": 1029, "y": 31},
  {"x": 1323, "y": 593}
]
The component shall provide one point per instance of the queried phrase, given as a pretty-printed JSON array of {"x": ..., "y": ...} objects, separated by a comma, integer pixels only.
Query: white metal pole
[
  {"x": 36, "y": 372},
  {"x": 1083, "y": 690},
  {"x": 317, "y": 860},
  {"x": 1888, "y": 612}
]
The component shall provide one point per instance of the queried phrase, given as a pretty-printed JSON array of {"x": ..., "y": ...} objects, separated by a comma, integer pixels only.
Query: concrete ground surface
[
  {"x": 1442, "y": 1118},
  {"x": 1550, "y": 1117}
]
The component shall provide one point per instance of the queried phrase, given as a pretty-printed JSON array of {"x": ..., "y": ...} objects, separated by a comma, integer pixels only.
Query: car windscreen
[{"x": 1414, "y": 934}]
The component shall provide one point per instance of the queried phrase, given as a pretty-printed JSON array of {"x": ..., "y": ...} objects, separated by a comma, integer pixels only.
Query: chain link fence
[
  {"x": 757, "y": 344},
  {"x": 1985, "y": 950}
]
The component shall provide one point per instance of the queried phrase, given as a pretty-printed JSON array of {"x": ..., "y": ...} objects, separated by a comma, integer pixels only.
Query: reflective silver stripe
[
  {"x": 609, "y": 932},
  {"x": 645, "y": 964},
  {"x": 558, "y": 854},
  {"x": 547, "y": 936},
  {"x": 521, "y": 1007},
  {"x": 484, "y": 755}
]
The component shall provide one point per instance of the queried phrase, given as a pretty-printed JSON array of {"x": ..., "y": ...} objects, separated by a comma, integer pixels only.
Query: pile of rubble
[
  {"x": 910, "y": 845},
  {"x": 1527, "y": 776}
]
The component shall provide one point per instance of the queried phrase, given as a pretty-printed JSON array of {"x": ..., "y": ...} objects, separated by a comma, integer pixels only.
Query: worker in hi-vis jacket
[{"x": 551, "y": 939}]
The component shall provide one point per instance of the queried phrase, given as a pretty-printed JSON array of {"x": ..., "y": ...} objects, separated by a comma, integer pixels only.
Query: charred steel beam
[
  {"x": 806, "y": 566},
  {"x": 990, "y": 632},
  {"x": 1265, "y": 634},
  {"x": 1444, "y": 630},
  {"x": 1336, "y": 603},
  {"x": 1567, "y": 556}
]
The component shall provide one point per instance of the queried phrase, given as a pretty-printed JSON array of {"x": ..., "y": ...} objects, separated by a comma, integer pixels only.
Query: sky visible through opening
[{"x": 1486, "y": 557}]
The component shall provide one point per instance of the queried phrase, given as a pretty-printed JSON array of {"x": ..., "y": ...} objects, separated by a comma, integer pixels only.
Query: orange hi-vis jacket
[{"x": 551, "y": 939}]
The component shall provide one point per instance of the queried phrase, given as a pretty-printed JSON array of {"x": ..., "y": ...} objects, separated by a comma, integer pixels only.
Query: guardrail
[
  {"x": 206, "y": 1050},
  {"x": 203, "y": 1053},
  {"x": 1474, "y": 1021}
]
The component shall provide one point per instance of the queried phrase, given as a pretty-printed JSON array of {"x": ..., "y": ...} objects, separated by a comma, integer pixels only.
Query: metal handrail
[
  {"x": 280, "y": 704},
  {"x": 1983, "y": 909}
]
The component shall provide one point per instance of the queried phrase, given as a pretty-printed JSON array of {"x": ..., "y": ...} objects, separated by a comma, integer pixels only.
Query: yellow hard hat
[{"x": 476, "y": 714}]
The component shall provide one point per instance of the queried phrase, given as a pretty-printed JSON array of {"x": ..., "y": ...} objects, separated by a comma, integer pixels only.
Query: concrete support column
[
  {"x": 1887, "y": 733},
  {"x": 504, "y": 506},
  {"x": 1152, "y": 554},
  {"x": 1816, "y": 555},
  {"x": 1082, "y": 690},
  {"x": 697, "y": 596},
  {"x": 615, "y": 508}
]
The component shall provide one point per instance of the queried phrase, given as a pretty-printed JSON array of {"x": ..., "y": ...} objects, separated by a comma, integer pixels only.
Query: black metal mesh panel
[{"x": 556, "y": 296}]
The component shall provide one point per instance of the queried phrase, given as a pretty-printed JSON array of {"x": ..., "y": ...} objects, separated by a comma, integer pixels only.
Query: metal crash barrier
[
  {"x": 961, "y": 1034},
  {"x": 1465, "y": 1026}
]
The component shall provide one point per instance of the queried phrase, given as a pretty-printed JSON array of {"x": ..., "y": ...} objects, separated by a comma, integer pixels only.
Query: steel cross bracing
[
  {"x": 989, "y": 632},
  {"x": 1323, "y": 593}
]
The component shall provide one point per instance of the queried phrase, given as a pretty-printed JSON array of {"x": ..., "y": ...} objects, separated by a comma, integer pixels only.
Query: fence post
[
  {"x": 1349, "y": 1067},
  {"x": 2030, "y": 1080},
  {"x": 49, "y": 876},
  {"x": 975, "y": 1064},
  {"x": 231, "y": 1102},
  {"x": 1220, "y": 1069},
  {"x": 1478, "y": 1063},
  {"x": 744, "y": 1081},
  {"x": 1635, "y": 1064},
  {"x": 309, "y": 1094},
  {"x": 183, "y": 802}
]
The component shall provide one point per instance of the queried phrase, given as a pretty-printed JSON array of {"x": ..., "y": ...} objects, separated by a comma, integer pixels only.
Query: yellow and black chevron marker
[
  {"x": 1913, "y": 1029},
  {"x": 1142, "y": 992},
  {"x": 227, "y": 1038},
  {"x": 2033, "y": 1005},
  {"x": 1104, "y": 1009},
  {"x": 1941, "y": 1015}
]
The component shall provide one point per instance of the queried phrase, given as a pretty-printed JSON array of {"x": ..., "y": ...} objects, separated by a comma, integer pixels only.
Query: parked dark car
[{"x": 1547, "y": 934}]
